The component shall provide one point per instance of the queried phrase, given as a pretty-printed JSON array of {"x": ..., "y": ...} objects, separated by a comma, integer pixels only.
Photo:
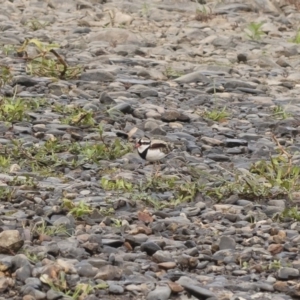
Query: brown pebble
[
  {"x": 275, "y": 248},
  {"x": 281, "y": 286},
  {"x": 167, "y": 265},
  {"x": 175, "y": 287}
]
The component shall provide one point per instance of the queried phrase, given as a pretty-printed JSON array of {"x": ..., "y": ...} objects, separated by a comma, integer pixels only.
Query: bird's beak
[{"x": 137, "y": 145}]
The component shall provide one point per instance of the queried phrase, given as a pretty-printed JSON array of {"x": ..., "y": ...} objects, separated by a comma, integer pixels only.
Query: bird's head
[{"x": 145, "y": 141}]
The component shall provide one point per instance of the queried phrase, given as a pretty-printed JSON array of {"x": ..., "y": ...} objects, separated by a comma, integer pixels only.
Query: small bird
[{"x": 152, "y": 150}]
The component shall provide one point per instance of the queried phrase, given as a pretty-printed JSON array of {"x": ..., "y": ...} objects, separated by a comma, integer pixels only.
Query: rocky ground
[{"x": 82, "y": 216}]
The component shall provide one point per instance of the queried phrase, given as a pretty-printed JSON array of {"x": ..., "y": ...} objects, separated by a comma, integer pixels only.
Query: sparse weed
[
  {"x": 290, "y": 213},
  {"x": 79, "y": 210},
  {"x": 254, "y": 32},
  {"x": 8, "y": 49},
  {"x": 271, "y": 178},
  {"x": 5, "y": 162},
  {"x": 217, "y": 115},
  {"x": 27, "y": 182},
  {"x": 79, "y": 117},
  {"x": 118, "y": 184},
  {"x": 245, "y": 265},
  {"x": 117, "y": 223},
  {"x": 44, "y": 229},
  {"x": 100, "y": 151},
  {"x": 107, "y": 211},
  {"x": 5, "y": 75},
  {"x": 296, "y": 38},
  {"x": 60, "y": 284},
  {"x": 156, "y": 203},
  {"x": 48, "y": 63},
  {"x": 33, "y": 258},
  {"x": 16, "y": 109},
  {"x": 171, "y": 73},
  {"x": 145, "y": 9},
  {"x": 35, "y": 24},
  {"x": 74, "y": 115},
  {"x": 279, "y": 112},
  {"x": 6, "y": 194},
  {"x": 275, "y": 265},
  {"x": 203, "y": 14}
]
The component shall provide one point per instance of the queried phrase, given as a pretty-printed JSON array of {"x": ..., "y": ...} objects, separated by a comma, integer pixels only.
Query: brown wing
[{"x": 158, "y": 146}]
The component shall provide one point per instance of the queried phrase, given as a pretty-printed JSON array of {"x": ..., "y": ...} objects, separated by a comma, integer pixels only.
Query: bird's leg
[{"x": 157, "y": 164}]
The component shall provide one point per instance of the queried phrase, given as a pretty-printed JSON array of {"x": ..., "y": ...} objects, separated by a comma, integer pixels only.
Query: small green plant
[
  {"x": 103, "y": 150},
  {"x": 8, "y": 49},
  {"x": 156, "y": 203},
  {"x": 6, "y": 194},
  {"x": 5, "y": 75},
  {"x": 16, "y": 109},
  {"x": 291, "y": 213},
  {"x": 47, "y": 62},
  {"x": 107, "y": 211},
  {"x": 118, "y": 184},
  {"x": 203, "y": 14},
  {"x": 254, "y": 32},
  {"x": 74, "y": 115},
  {"x": 279, "y": 112},
  {"x": 80, "y": 291},
  {"x": 217, "y": 115},
  {"x": 245, "y": 265},
  {"x": 296, "y": 38},
  {"x": 32, "y": 257},
  {"x": 171, "y": 73},
  {"x": 275, "y": 265},
  {"x": 27, "y": 182},
  {"x": 44, "y": 229},
  {"x": 145, "y": 9},
  {"x": 13, "y": 110},
  {"x": 35, "y": 24},
  {"x": 276, "y": 177},
  {"x": 117, "y": 223},
  {"x": 5, "y": 162},
  {"x": 80, "y": 117},
  {"x": 79, "y": 210}
]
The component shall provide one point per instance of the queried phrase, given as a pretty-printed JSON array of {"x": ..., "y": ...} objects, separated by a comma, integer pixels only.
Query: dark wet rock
[
  {"x": 218, "y": 157},
  {"x": 26, "y": 80},
  {"x": 194, "y": 288},
  {"x": 242, "y": 58},
  {"x": 123, "y": 107},
  {"x": 235, "y": 142},
  {"x": 150, "y": 247}
]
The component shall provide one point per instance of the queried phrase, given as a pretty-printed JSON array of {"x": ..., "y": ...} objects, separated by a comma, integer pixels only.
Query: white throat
[{"x": 142, "y": 148}]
